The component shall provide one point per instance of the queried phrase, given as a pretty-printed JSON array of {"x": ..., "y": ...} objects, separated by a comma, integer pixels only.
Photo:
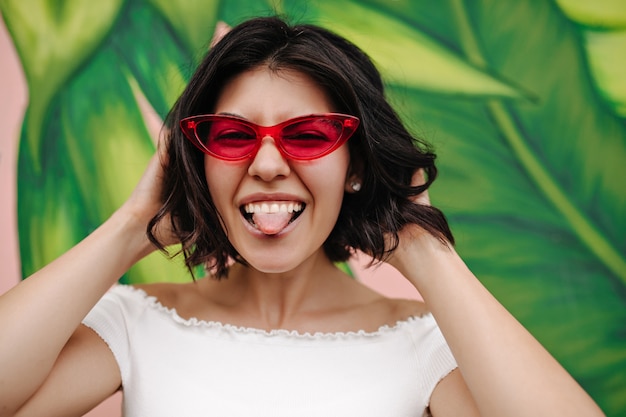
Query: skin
[
  {"x": 267, "y": 98},
  {"x": 291, "y": 284}
]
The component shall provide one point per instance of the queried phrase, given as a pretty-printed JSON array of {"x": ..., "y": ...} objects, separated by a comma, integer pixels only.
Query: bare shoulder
[
  {"x": 393, "y": 310},
  {"x": 402, "y": 309},
  {"x": 168, "y": 293},
  {"x": 188, "y": 299}
]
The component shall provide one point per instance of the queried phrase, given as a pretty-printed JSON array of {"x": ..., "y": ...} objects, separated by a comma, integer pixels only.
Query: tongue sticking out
[{"x": 271, "y": 223}]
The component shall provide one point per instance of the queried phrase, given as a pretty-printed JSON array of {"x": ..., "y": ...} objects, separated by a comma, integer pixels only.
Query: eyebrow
[{"x": 225, "y": 113}]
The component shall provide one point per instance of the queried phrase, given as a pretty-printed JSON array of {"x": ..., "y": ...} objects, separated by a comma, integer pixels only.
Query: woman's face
[{"x": 295, "y": 203}]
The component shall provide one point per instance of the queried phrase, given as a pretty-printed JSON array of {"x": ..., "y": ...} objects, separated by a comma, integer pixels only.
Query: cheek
[
  {"x": 218, "y": 177},
  {"x": 342, "y": 166},
  {"x": 331, "y": 177}
]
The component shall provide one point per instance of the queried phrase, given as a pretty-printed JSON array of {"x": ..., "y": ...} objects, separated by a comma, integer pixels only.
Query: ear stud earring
[{"x": 356, "y": 186}]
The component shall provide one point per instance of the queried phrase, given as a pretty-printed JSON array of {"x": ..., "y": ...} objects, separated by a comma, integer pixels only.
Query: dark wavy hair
[{"x": 382, "y": 151}]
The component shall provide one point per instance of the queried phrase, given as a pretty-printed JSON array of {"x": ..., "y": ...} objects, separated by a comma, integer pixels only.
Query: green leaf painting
[{"x": 525, "y": 102}]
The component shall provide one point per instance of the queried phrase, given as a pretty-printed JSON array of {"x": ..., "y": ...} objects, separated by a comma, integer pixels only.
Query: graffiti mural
[{"x": 525, "y": 102}]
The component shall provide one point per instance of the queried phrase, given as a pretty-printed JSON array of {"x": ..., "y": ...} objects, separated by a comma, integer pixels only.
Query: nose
[{"x": 268, "y": 163}]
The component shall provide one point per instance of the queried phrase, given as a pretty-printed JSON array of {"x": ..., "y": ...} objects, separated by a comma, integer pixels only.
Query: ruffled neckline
[{"x": 153, "y": 303}]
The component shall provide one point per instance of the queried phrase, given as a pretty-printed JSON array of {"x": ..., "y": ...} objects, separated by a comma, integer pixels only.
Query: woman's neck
[{"x": 278, "y": 300}]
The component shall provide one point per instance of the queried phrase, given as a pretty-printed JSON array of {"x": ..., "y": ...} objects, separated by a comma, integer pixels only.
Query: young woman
[{"x": 283, "y": 157}]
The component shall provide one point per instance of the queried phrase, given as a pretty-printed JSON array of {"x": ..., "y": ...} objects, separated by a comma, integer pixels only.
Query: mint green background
[{"x": 524, "y": 100}]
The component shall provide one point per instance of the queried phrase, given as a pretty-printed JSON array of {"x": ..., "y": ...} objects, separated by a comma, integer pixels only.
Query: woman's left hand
[{"x": 413, "y": 241}]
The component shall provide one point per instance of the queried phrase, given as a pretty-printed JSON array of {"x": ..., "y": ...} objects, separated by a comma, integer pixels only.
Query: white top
[{"x": 172, "y": 366}]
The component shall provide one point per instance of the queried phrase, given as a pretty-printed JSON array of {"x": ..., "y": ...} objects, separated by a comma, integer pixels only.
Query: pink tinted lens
[
  {"x": 228, "y": 138},
  {"x": 309, "y": 138}
]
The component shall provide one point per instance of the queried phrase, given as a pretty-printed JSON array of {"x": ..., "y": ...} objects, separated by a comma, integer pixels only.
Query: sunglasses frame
[{"x": 349, "y": 125}]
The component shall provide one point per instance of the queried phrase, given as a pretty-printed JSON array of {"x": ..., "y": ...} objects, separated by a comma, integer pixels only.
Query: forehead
[{"x": 268, "y": 97}]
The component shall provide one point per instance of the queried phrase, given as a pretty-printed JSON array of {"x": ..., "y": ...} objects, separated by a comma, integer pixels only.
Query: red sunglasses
[{"x": 304, "y": 138}]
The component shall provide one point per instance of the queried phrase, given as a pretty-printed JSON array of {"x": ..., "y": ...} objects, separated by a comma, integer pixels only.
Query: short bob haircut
[{"x": 383, "y": 153}]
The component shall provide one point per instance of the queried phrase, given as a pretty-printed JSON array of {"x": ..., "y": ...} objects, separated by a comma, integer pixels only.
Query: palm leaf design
[{"x": 524, "y": 100}]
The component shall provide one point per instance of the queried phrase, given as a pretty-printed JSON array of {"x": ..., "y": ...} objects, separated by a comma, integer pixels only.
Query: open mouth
[{"x": 271, "y": 217}]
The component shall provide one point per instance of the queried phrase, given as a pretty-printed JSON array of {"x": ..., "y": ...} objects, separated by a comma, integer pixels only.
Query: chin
[
  {"x": 280, "y": 257},
  {"x": 274, "y": 264},
  {"x": 272, "y": 267}
]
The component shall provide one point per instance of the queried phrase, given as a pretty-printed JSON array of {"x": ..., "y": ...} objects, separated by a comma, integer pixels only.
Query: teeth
[{"x": 269, "y": 208}]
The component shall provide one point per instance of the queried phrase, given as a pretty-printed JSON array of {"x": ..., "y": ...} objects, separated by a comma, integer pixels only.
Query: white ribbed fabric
[{"x": 172, "y": 366}]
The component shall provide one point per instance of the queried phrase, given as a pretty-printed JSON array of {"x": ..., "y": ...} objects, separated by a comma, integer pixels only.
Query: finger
[
  {"x": 221, "y": 29},
  {"x": 419, "y": 178}
]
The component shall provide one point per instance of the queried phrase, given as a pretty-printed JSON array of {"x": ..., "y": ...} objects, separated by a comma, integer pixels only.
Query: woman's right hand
[{"x": 146, "y": 199}]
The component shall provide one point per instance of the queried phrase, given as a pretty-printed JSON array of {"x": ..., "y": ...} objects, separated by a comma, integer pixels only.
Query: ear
[
  {"x": 354, "y": 180},
  {"x": 353, "y": 184}
]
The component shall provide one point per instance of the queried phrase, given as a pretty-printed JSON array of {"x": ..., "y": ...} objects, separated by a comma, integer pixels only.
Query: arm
[
  {"x": 506, "y": 370},
  {"x": 39, "y": 315},
  {"x": 85, "y": 373}
]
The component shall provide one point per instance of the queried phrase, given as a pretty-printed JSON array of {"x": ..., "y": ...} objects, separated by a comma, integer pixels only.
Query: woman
[{"x": 283, "y": 157}]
